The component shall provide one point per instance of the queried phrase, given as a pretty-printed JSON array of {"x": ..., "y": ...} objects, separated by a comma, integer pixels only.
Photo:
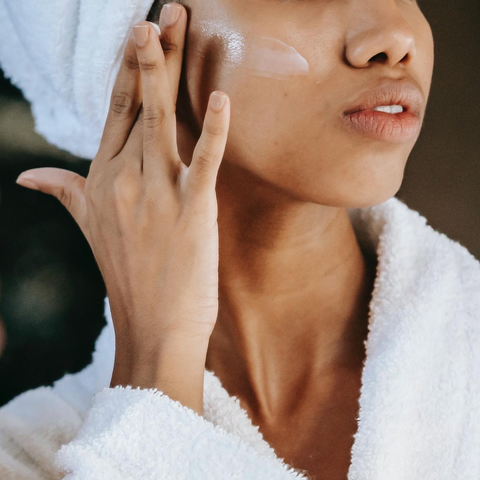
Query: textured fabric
[
  {"x": 65, "y": 55},
  {"x": 419, "y": 412}
]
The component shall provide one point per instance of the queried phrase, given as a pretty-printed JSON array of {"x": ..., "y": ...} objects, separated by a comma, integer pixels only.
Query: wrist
[
  {"x": 146, "y": 346},
  {"x": 174, "y": 364}
]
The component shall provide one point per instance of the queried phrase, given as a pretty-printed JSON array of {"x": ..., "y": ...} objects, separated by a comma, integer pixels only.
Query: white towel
[
  {"x": 419, "y": 415},
  {"x": 64, "y": 55}
]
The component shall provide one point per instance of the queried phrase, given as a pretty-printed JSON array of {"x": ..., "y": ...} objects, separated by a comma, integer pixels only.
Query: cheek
[
  {"x": 265, "y": 79},
  {"x": 267, "y": 117},
  {"x": 425, "y": 53}
]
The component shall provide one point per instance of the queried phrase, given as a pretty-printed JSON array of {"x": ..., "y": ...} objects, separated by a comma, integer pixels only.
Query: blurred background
[{"x": 51, "y": 292}]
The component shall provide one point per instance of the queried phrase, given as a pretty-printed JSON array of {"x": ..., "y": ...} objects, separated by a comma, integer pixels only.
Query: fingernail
[
  {"x": 141, "y": 34},
  {"x": 157, "y": 28},
  {"x": 25, "y": 181},
  {"x": 217, "y": 101},
  {"x": 170, "y": 13}
]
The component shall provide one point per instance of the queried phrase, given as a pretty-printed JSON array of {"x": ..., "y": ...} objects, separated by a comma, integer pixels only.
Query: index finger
[{"x": 125, "y": 103}]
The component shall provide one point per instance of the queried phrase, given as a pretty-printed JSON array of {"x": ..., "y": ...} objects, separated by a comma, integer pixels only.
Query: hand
[{"x": 150, "y": 220}]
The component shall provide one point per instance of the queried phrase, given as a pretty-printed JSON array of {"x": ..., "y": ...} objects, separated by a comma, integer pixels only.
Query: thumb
[{"x": 67, "y": 187}]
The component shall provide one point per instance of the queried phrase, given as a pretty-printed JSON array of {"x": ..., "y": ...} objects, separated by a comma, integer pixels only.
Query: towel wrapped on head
[{"x": 65, "y": 55}]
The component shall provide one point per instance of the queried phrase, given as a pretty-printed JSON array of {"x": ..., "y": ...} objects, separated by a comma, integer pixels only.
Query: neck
[{"x": 294, "y": 293}]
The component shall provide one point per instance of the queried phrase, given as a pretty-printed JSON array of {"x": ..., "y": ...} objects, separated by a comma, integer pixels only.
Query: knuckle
[
  {"x": 64, "y": 195},
  {"x": 76, "y": 182},
  {"x": 66, "y": 192},
  {"x": 213, "y": 129},
  {"x": 122, "y": 103},
  {"x": 131, "y": 62},
  {"x": 153, "y": 116},
  {"x": 124, "y": 186},
  {"x": 148, "y": 65},
  {"x": 205, "y": 160},
  {"x": 169, "y": 47}
]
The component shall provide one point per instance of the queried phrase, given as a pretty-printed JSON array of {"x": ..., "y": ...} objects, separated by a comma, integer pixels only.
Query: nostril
[{"x": 379, "y": 56}]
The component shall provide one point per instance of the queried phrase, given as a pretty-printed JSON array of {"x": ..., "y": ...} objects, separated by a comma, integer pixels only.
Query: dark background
[{"x": 51, "y": 291}]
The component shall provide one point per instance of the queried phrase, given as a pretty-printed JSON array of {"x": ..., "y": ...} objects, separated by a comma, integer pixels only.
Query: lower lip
[{"x": 387, "y": 127}]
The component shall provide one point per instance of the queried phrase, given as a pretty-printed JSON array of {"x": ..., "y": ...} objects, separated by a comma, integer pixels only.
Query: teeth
[{"x": 389, "y": 108}]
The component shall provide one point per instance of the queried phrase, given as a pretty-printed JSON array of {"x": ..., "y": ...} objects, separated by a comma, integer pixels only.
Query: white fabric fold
[
  {"x": 139, "y": 423},
  {"x": 65, "y": 55}
]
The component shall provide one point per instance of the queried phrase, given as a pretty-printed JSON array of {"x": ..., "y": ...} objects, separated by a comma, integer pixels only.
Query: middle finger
[
  {"x": 173, "y": 23},
  {"x": 158, "y": 123}
]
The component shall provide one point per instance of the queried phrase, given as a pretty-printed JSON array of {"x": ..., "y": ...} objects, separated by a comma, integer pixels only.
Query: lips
[
  {"x": 390, "y": 92},
  {"x": 387, "y": 127},
  {"x": 401, "y": 127}
]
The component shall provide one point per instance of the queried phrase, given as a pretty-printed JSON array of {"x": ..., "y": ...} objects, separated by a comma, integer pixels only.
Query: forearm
[{"x": 174, "y": 365}]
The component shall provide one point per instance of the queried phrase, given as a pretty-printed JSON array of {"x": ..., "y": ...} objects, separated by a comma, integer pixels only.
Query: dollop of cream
[{"x": 263, "y": 56}]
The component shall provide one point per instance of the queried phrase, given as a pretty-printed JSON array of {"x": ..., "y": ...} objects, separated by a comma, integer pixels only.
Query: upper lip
[{"x": 390, "y": 92}]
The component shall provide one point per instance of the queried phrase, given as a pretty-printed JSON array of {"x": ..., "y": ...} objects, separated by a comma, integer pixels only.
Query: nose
[{"x": 380, "y": 34}]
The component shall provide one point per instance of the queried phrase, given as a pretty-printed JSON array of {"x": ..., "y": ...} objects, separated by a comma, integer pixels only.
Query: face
[{"x": 291, "y": 69}]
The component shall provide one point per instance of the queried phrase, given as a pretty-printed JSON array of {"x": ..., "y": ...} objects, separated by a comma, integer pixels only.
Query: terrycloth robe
[{"x": 419, "y": 416}]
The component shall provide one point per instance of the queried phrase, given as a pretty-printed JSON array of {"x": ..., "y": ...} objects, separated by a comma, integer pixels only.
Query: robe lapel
[{"x": 424, "y": 327}]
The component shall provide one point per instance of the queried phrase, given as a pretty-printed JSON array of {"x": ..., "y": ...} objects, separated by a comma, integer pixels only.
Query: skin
[
  {"x": 286, "y": 334},
  {"x": 294, "y": 284}
]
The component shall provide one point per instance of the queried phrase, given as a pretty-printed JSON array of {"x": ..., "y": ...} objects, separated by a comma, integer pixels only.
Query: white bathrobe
[{"x": 419, "y": 415}]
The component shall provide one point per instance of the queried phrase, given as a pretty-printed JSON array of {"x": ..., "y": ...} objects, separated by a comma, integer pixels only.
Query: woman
[{"x": 311, "y": 326}]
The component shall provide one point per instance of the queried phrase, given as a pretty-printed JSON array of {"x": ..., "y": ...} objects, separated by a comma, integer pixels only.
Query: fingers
[
  {"x": 208, "y": 153},
  {"x": 125, "y": 102},
  {"x": 67, "y": 187},
  {"x": 158, "y": 118},
  {"x": 173, "y": 24}
]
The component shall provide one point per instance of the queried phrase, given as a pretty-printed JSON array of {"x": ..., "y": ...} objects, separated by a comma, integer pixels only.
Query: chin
[
  {"x": 359, "y": 194},
  {"x": 372, "y": 194},
  {"x": 367, "y": 184}
]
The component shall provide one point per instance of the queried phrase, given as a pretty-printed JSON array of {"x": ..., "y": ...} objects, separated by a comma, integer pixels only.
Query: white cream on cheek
[{"x": 259, "y": 55}]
